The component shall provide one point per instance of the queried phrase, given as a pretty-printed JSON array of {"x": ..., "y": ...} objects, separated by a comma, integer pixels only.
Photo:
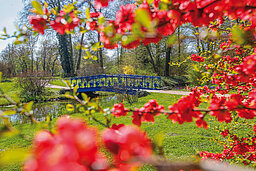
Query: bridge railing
[{"x": 120, "y": 81}]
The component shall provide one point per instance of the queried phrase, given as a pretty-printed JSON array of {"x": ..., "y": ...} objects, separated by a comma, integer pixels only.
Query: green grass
[
  {"x": 58, "y": 82},
  {"x": 11, "y": 89},
  {"x": 180, "y": 141}
]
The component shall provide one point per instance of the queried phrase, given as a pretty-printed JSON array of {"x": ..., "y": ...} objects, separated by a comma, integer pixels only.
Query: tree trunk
[
  {"x": 80, "y": 54},
  {"x": 32, "y": 62},
  {"x": 100, "y": 55},
  {"x": 152, "y": 60},
  {"x": 44, "y": 56},
  {"x": 179, "y": 50},
  {"x": 66, "y": 58},
  {"x": 167, "y": 61},
  {"x": 65, "y": 51}
]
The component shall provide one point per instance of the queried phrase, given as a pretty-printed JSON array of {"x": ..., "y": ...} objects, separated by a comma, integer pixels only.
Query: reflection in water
[
  {"x": 41, "y": 111},
  {"x": 56, "y": 109}
]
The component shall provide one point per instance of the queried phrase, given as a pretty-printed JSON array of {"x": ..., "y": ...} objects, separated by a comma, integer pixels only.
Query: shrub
[
  {"x": 33, "y": 85},
  {"x": 4, "y": 70}
]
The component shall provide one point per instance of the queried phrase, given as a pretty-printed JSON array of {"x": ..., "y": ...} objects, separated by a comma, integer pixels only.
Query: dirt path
[
  {"x": 183, "y": 93},
  {"x": 57, "y": 87}
]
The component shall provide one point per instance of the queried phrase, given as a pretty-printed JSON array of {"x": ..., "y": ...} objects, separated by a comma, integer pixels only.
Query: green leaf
[
  {"x": 165, "y": 1},
  {"x": 70, "y": 107},
  {"x": 68, "y": 95},
  {"x": 1, "y": 74},
  {"x": 85, "y": 97},
  {"x": 75, "y": 89},
  {"x": 4, "y": 30},
  {"x": 12, "y": 156},
  {"x": 96, "y": 46},
  {"x": 94, "y": 58},
  {"x": 143, "y": 17},
  {"x": 17, "y": 42},
  {"x": 238, "y": 35},
  {"x": 171, "y": 40},
  {"x": 101, "y": 20},
  {"x": 37, "y": 5},
  {"x": 29, "y": 106},
  {"x": 196, "y": 68},
  {"x": 88, "y": 53},
  {"x": 158, "y": 139},
  {"x": 128, "y": 39},
  {"x": 78, "y": 47},
  {"x": 9, "y": 112},
  {"x": 87, "y": 13}
]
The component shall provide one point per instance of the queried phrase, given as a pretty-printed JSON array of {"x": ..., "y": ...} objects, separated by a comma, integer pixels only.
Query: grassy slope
[
  {"x": 11, "y": 89},
  {"x": 180, "y": 141}
]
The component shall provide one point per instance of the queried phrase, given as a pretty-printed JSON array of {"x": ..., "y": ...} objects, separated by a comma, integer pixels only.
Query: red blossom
[
  {"x": 131, "y": 45},
  {"x": 201, "y": 123},
  {"x": 127, "y": 143},
  {"x": 248, "y": 66},
  {"x": 218, "y": 109},
  {"x": 94, "y": 14},
  {"x": 65, "y": 23},
  {"x": 197, "y": 58},
  {"x": 183, "y": 110},
  {"x": 224, "y": 133},
  {"x": 107, "y": 36},
  {"x": 38, "y": 22},
  {"x": 254, "y": 128},
  {"x": 101, "y": 3},
  {"x": 167, "y": 22},
  {"x": 146, "y": 41},
  {"x": 73, "y": 147},
  {"x": 116, "y": 127},
  {"x": 119, "y": 110},
  {"x": 92, "y": 25},
  {"x": 125, "y": 18},
  {"x": 234, "y": 101},
  {"x": 225, "y": 45},
  {"x": 137, "y": 117},
  {"x": 147, "y": 113},
  {"x": 59, "y": 25}
]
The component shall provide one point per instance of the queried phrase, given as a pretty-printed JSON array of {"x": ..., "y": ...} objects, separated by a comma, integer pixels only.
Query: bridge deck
[{"x": 116, "y": 83}]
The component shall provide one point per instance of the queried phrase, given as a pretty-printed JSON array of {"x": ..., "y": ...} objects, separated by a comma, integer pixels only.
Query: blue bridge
[{"x": 122, "y": 83}]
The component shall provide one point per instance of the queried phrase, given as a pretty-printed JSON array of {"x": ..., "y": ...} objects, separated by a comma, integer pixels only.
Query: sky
[{"x": 8, "y": 14}]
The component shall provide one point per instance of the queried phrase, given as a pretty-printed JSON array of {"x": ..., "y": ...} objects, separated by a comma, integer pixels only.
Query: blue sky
[{"x": 8, "y": 14}]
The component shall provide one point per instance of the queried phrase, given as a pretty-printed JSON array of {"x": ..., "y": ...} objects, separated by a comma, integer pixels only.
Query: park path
[{"x": 57, "y": 87}]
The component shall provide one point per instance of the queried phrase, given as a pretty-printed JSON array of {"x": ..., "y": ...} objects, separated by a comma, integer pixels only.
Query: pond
[
  {"x": 41, "y": 111},
  {"x": 55, "y": 109}
]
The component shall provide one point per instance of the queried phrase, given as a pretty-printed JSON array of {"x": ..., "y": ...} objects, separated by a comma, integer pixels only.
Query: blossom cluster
[
  {"x": 195, "y": 57},
  {"x": 63, "y": 22},
  {"x": 147, "y": 113},
  {"x": 156, "y": 23},
  {"x": 238, "y": 148},
  {"x": 76, "y": 146}
]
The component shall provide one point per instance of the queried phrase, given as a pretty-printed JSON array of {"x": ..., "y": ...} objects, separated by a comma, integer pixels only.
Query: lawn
[
  {"x": 11, "y": 89},
  {"x": 180, "y": 141}
]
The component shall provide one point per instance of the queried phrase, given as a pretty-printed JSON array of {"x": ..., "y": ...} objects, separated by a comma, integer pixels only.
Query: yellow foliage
[{"x": 128, "y": 69}]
